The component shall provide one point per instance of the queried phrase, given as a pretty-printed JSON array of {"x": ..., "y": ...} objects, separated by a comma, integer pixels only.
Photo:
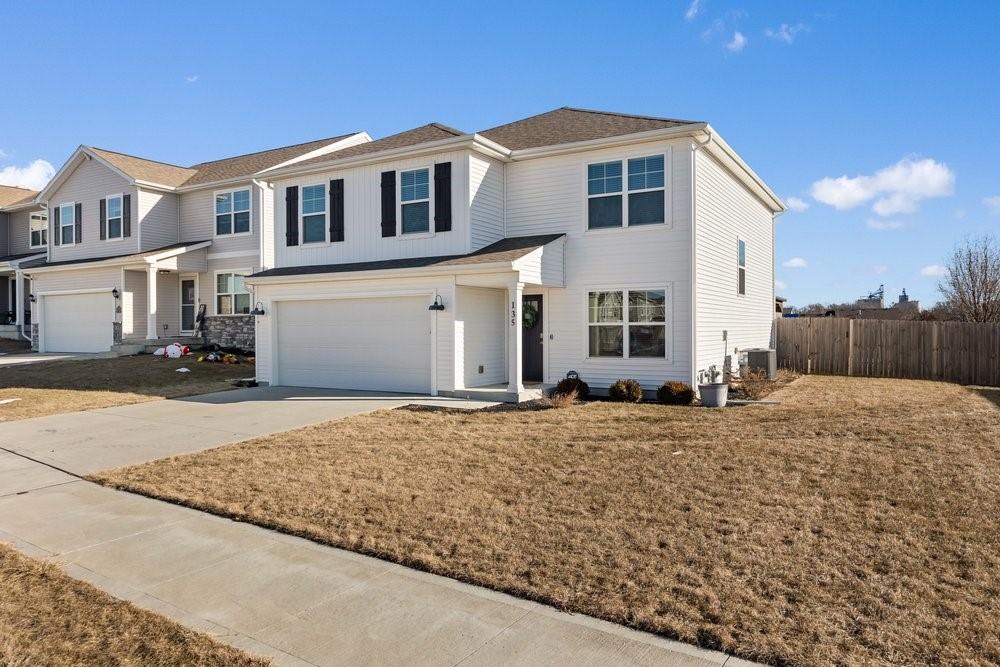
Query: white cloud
[
  {"x": 33, "y": 176},
  {"x": 786, "y": 33},
  {"x": 4, "y": 154},
  {"x": 796, "y": 204},
  {"x": 992, "y": 203},
  {"x": 693, "y": 9},
  {"x": 795, "y": 263},
  {"x": 933, "y": 271},
  {"x": 879, "y": 268},
  {"x": 191, "y": 78},
  {"x": 884, "y": 225},
  {"x": 780, "y": 284},
  {"x": 898, "y": 188},
  {"x": 737, "y": 43}
]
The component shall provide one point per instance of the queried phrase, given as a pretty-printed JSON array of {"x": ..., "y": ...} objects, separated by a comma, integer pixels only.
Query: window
[
  {"x": 606, "y": 206},
  {"x": 114, "y": 217},
  {"x": 232, "y": 212},
  {"x": 741, "y": 267},
  {"x": 314, "y": 214},
  {"x": 415, "y": 198},
  {"x": 67, "y": 224},
  {"x": 231, "y": 294},
  {"x": 39, "y": 223},
  {"x": 627, "y": 324}
]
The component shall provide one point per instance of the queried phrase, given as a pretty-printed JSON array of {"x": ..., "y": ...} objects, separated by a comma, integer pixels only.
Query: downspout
[
  {"x": 260, "y": 222},
  {"x": 694, "y": 257},
  {"x": 19, "y": 292}
]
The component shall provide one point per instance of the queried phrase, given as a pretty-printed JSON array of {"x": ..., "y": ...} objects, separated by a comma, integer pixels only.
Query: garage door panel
[
  {"x": 78, "y": 322},
  {"x": 379, "y": 344}
]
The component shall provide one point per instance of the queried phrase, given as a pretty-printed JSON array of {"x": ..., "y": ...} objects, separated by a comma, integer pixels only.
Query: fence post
[{"x": 850, "y": 347}]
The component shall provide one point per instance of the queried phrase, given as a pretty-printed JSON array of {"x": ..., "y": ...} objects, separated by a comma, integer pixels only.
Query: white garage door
[
  {"x": 78, "y": 322},
  {"x": 381, "y": 344}
]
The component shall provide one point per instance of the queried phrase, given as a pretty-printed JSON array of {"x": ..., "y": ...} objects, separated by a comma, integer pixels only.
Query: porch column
[
  {"x": 515, "y": 292},
  {"x": 19, "y": 298},
  {"x": 151, "y": 302}
]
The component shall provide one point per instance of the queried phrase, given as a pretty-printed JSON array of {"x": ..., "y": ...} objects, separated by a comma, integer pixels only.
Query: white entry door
[
  {"x": 378, "y": 344},
  {"x": 78, "y": 322}
]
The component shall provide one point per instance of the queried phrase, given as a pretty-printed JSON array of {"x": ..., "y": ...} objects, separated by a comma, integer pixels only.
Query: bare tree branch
[{"x": 972, "y": 286}]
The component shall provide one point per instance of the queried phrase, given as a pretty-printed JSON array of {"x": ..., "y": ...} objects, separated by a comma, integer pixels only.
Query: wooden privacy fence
[{"x": 963, "y": 352}]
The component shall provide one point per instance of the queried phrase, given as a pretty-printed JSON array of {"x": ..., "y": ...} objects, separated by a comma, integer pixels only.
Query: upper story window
[
  {"x": 627, "y": 324},
  {"x": 314, "y": 214},
  {"x": 231, "y": 294},
  {"x": 646, "y": 187},
  {"x": 114, "y": 213},
  {"x": 67, "y": 224},
  {"x": 39, "y": 223},
  {"x": 741, "y": 267},
  {"x": 232, "y": 212},
  {"x": 415, "y": 201}
]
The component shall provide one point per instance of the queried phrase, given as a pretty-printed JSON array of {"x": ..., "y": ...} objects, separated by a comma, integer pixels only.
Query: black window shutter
[
  {"x": 104, "y": 219},
  {"x": 127, "y": 215},
  {"x": 442, "y": 197},
  {"x": 337, "y": 210},
  {"x": 388, "y": 203},
  {"x": 56, "y": 232},
  {"x": 292, "y": 215},
  {"x": 79, "y": 224}
]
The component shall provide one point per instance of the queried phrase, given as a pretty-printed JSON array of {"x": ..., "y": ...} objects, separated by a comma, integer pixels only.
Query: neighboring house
[
  {"x": 455, "y": 263},
  {"x": 23, "y": 232},
  {"x": 136, "y": 247}
]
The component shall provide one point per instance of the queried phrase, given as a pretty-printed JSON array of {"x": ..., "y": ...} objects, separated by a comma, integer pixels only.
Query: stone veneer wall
[
  {"x": 34, "y": 337},
  {"x": 230, "y": 331}
]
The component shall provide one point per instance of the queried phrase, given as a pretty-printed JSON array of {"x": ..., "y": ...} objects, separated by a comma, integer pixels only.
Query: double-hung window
[
  {"x": 232, "y": 212},
  {"x": 627, "y": 324},
  {"x": 114, "y": 217},
  {"x": 67, "y": 224},
  {"x": 415, "y": 201},
  {"x": 608, "y": 205},
  {"x": 39, "y": 223},
  {"x": 741, "y": 267},
  {"x": 314, "y": 214},
  {"x": 231, "y": 294}
]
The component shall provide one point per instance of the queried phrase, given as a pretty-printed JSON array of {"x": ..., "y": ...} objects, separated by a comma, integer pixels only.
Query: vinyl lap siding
[
  {"x": 206, "y": 281},
  {"x": 480, "y": 325},
  {"x": 485, "y": 201},
  {"x": 20, "y": 233},
  {"x": 134, "y": 305},
  {"x": 726, "y": 211},
  {"x": 197, "y": 215},
  {"x": 157, "y": 219}
]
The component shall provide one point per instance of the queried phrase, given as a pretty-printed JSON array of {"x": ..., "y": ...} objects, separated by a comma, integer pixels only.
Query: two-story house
[
  {"x": 492, "y": 263},
  {"x": 140, "y": 250},
  {"x": 23, "y": 237}
]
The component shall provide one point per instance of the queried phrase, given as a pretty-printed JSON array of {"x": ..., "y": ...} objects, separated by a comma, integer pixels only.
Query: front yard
[
  {"x": 857, "y": 522},
  {"x": 54, "y": 387}
]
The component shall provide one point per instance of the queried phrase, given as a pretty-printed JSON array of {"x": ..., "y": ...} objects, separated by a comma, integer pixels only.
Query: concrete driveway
[{"x": 20, "y": 359}]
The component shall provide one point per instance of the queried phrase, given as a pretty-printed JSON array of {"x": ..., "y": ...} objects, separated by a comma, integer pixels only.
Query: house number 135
[{"x": 513, "y": 314}]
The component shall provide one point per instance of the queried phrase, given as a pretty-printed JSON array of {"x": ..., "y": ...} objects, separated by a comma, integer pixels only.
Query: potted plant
[{"x": 713, "y": 392}]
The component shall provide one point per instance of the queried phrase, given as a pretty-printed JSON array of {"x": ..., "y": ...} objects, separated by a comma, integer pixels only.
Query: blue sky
[{"x": 900, "y": 98}]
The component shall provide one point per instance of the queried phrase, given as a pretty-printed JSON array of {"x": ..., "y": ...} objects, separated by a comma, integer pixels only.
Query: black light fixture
[
  {"x": 31, "y": 298},
  {"x": 115, "y": 293},
  {"x": 258, "y": 309},
  {"x": 572, "y": 375},
  {"x": 437, "y": 305}
]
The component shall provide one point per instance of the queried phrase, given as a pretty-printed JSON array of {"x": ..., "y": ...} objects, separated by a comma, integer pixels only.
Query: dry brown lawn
[
  {"x": 856, "y": 523},
  {"x": 54, "y": 387},
  {"x": 8, "y": 346},
  {"x": 48, "y": 618}
]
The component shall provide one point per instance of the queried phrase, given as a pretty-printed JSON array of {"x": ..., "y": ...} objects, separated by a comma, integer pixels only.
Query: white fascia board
[
  {"x": 14, "y": 264},
  {"x": 138, "y": 259},
  {"x": 65, "y": 170},
  {"x": 174, "y": 252},
  {"x": 227, "y": 183},
  {"x": 28, "y": 205},
  {"x": 423, "y": 271},
  {"x": 731, "y": 159}
]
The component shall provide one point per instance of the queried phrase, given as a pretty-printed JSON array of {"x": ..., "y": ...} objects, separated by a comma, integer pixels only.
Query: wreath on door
[{"x": 529, "y": 315}]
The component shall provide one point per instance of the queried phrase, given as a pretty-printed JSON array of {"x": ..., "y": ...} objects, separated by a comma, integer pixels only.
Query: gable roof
[
  {"x": 14, "y": 196},
  {"x": 567, "y": 125},
  {"x": 247, "y": 165},
  {"x": 142, "y": 169},
  {"x": 418, "y": 135}
]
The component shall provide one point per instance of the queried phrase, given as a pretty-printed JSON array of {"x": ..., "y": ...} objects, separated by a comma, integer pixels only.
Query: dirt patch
[
  {"x": 48, "y": 618},
  {"x": 856, "y": 523},
  {"x": 8, "y": 346}
]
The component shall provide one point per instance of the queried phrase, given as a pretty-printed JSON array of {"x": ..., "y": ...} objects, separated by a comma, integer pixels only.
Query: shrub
[
  {"x": 755, "y": 385},
  {"x": 562, "y": 400},
  {"x": 675, "y": 393},
  {"x": 568, "y": 385},
  {"x": 627, "y": 391}
]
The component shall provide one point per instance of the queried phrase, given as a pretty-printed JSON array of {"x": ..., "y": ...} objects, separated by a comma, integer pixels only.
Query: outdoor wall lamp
[
  {"x": 31, "y": 298},
  {"x": 437, "y": 305},
  {"x": 258, "y": 309},
  {"x": 115, "y": 293}
]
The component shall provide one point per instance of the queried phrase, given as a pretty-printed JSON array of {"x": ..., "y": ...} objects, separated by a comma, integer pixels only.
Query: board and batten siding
[
  {"x": 157, "y": 219},
  {"x": 480, "y": 336},
  {"x": 89, "y": 183},
  {"x": 363, "y": 240},
  {"x": 548, "y": 195},
  {"x": 266, "y": 228},
  {"x": 726, "y": 211},
  {"x": 485, "y": 201},
  {"x": 197, "y": 215}
]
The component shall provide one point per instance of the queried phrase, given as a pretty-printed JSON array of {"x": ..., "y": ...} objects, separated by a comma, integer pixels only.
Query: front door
[
  {"x": 188, "y": 304},
  {"x": 531, "y": 338}
]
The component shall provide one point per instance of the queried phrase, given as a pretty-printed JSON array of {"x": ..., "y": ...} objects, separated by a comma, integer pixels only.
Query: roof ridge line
[
  {"x": 137, "y": 157},
  {"x": 627, "y": 115},
  {"x": 279, "y": 148}
]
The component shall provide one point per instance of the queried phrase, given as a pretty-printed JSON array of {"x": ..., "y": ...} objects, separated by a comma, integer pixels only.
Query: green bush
[
  {"x": 569, "y": 385},
  {"x": 626, "y": 391},
  {"x": 675, "y": 393}
]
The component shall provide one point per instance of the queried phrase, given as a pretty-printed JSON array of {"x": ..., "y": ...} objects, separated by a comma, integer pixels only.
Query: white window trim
[
  {"x": 326, "y": 215},
  {"x": 623, "y": 158},
  {"x": 107, "y": 218},
  {"x": 430, "y": 204},
  {"x": 742, "y": 294},
  {"x": 232, "y": 212},
  {"x": 668, "y": 311},
  {"x": 44, "y": 217},
  {"x": 62, "y": 223},
  {"x": 215, "y": 292}
]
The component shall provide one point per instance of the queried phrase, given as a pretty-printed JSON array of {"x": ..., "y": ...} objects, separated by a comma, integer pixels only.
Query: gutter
[{"x": 422, "y": 271}]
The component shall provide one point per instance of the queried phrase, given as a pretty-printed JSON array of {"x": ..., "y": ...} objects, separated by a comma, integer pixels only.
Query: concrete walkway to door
[{"x": 270, "y": 593}]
